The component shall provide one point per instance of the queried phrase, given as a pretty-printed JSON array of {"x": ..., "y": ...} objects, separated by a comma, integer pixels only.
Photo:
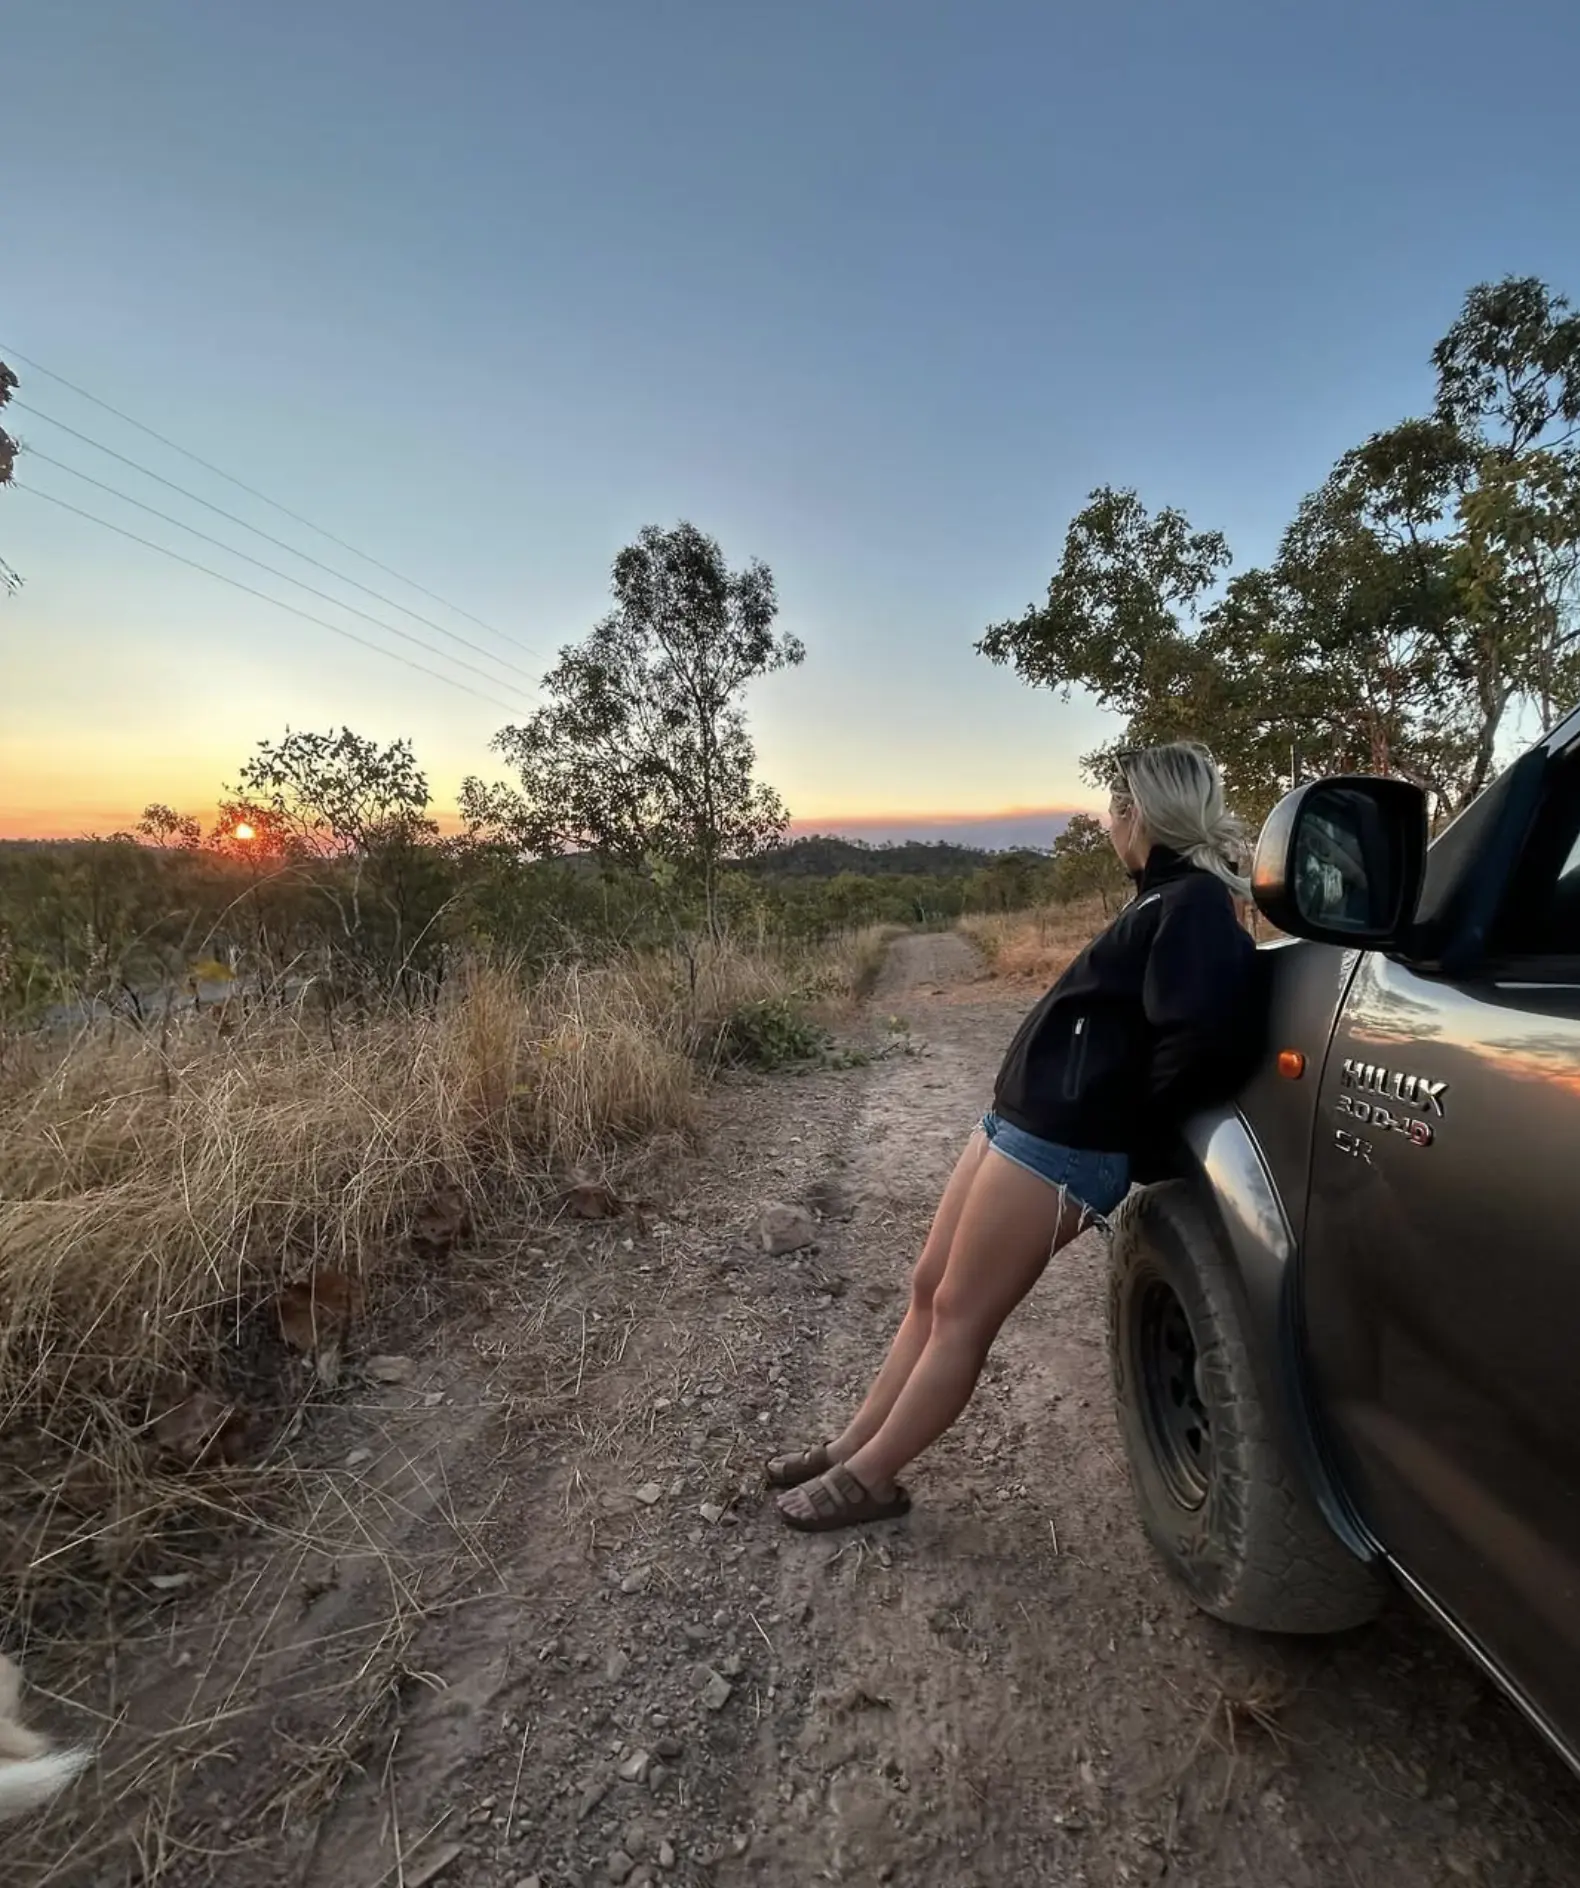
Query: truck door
[{"x": 1440, "y": 1283}]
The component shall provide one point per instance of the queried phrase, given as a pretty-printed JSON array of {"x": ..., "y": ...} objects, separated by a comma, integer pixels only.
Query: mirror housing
[{"x": 1341, "y": 861}]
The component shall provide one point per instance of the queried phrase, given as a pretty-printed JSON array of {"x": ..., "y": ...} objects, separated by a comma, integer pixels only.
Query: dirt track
[{"x": 652, "y": 1680}]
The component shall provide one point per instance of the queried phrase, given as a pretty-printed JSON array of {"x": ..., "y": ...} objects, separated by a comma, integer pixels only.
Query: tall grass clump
[{"x": 1035, "y": 946}]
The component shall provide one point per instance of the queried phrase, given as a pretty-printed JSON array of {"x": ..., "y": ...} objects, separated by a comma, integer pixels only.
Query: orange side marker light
[{"x": 1291, "y": 1064}]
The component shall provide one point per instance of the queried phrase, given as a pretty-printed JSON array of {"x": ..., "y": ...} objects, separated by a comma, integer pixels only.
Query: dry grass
[
  {"x": 1239, "y": 1720},
  {"x": 158, "y": 1190},
  {"x": 1035, "y": 946},
  {"x": 849, "y": 967},
  {"x": 173, "y": 1701}
]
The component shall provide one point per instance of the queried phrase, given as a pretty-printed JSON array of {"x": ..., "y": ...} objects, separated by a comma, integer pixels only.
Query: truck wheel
[{"x": 1226, "y": 1512}]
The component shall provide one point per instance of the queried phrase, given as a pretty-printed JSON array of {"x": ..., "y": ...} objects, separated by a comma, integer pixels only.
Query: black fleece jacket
[{"x": 1157, "y": 1017}]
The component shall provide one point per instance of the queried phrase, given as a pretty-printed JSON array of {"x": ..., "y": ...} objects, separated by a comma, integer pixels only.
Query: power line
[
  {"x": 231, "y": 550},
  {"x": 253, "y": 492},
  {"x": 235, "y": 583},
  {"x": 279, "y": 543}
]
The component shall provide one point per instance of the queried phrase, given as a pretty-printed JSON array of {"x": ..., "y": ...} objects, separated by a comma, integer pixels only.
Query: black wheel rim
[{"x": 1176, "y": 1417}]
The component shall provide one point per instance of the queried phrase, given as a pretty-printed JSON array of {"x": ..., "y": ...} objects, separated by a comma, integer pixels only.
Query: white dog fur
[{"x": 30, "y": 1771}]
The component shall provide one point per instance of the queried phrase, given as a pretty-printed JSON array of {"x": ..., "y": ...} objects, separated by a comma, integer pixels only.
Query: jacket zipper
[{"x": 1077, "y": 1063}]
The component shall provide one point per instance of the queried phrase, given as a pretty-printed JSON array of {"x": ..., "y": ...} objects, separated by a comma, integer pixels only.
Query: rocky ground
[{"x": 544, "y": 1554}]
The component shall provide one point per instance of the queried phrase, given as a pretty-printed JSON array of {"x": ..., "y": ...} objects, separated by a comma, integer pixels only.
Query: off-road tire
[{"x": 1245, "y": 1539}]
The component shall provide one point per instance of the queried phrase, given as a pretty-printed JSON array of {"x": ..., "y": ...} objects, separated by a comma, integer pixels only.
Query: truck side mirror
[{"x": 1341, "y": 861}]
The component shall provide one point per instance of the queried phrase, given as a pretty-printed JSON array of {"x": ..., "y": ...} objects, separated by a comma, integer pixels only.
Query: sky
[{"x": 876, "y": 292}]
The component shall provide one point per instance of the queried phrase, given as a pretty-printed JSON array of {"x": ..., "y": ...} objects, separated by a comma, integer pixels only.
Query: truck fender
[{"x": 1226, "y": 1165}]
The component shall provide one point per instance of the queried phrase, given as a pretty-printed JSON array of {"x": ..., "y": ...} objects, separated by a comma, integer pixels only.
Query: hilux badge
[{"x": 1415, "y": 1091}]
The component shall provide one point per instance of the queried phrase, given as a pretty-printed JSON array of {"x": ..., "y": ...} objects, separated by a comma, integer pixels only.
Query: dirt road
[{"x": 637, "y": 1675}]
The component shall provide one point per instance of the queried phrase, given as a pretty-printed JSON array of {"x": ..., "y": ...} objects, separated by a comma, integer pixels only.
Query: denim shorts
[{"x": 1098, "y": 1181}]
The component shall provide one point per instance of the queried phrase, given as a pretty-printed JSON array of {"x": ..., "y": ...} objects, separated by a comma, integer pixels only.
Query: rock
[
  {"x": 616, "y": 1665},
  {"x": 731, "y": 1667},
  {"x": 592, "y": 1200},
  {"x": 637, "y": 1580},
  {"x": 669, "y": 1748},
  {"x": 530, "y": 1881},
  {"x": 780, "y": 1229},
  {"x": 648, "y": 1493},
  {"x": 357, "y": 1457},
  {"x": 619, "y": 1865},
  {"x": 634, "y": 1840},
  {"x": 697, "y": 1634},
  {"x": 390, "y": 1369},
  {"x": 711, "y": 1512},
  {"x": 666, "y": 1855},
  {"x": 421, "y": 1871},
  {"x": 591, "y": 1797},
  {"x": 636, "y": 1767},
  {"x": 716, "y": 1692},
  {"x": 828, "y": 1199}
]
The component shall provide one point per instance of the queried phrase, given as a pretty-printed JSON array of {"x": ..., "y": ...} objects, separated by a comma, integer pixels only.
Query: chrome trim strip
[{"x": 1532, "y": 1712}]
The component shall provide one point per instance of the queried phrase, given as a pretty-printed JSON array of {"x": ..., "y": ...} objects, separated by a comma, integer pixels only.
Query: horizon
[
  {"x": 1007, "y": 829},
  {"x": 1022, "y": 255}
]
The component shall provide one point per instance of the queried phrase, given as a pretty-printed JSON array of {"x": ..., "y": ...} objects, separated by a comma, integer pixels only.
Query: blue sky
[{"x": 876, "y": 292}]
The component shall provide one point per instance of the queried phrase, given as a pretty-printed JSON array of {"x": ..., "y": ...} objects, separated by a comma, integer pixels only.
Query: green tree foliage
[
  {"x": 348, "y": 820},
  {"x": 1430, "y": 585},
  {"x": 1119, "y": 611},
  {"x": 821, "y": 855},
  {"x": 127, "y": 922},
  {"x": 641, "y": 749},
  {"x": 1085, "y": 863},
  {"x": 337, "y": 795},
  {"x": 163, "y": 826}
]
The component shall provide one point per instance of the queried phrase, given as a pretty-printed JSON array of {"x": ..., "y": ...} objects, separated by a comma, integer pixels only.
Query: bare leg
[
  {"x": 916, "y": 1326},
  {"x": 911, "y": 1338},
  {"x": 1011, "y": 1224}
]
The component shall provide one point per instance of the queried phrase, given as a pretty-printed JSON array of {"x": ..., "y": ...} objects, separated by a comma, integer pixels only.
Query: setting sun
[{"x": 244, "y": 831}]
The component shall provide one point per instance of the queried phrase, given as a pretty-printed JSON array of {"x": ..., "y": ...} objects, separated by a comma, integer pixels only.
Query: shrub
[{"x": 772, "y": 1033}]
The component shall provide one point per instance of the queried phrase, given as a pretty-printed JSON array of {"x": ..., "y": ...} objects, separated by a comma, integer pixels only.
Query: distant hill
[
  {"x": 1008, "y": 830},
  {"x": 826, "y": 855}
]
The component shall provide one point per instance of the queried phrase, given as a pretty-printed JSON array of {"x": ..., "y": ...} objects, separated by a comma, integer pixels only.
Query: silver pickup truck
[{"x": 1346, "y": 1337}]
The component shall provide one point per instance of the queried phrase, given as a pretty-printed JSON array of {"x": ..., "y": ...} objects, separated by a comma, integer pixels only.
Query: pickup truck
[{"x": 1345, "y": 1329}]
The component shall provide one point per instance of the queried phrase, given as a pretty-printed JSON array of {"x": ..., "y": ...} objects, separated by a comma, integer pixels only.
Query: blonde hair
[{"x": 1177, "y": 790}]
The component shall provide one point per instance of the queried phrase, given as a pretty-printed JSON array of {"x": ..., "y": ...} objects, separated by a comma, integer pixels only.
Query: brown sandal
[
  {"x": 838, "y": 1500},
  {"x": 790, "y": 1471}
]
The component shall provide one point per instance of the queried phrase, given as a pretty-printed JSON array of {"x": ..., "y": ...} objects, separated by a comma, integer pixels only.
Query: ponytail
[{"x": 1178, "y": 792}]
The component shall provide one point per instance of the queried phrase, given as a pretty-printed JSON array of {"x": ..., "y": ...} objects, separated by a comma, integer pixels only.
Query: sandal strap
[
  {"x": 841, "y": 1499},
  {"x": 848, "y": 1490},
  {"x": 803, "y": 1465},
  {"x": 830, "y": 1494}
]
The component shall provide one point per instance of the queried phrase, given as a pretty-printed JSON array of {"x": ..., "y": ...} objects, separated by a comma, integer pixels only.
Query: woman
[{"x": 1154, "y": 1019}]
